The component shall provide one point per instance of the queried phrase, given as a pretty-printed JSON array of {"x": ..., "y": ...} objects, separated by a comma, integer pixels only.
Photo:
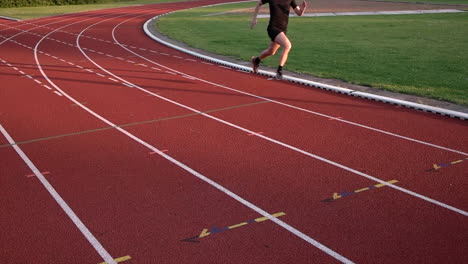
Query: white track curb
[
  {"x": 10, "y": 18},
  {"x": 425, "y": 108}
]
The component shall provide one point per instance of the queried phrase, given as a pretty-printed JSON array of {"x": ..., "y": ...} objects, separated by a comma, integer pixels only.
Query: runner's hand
[
  {"x": 254, "y": 22},
  {"x": 304, "y": 5}
]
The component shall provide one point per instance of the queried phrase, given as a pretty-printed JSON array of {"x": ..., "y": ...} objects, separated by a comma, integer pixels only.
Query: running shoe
[
  {"x": 279, "y": 75},
  {"x": 254, "y": 65}
]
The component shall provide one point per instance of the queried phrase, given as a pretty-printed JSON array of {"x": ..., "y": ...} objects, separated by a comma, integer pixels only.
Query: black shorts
[{"x": 273, "y": 32}]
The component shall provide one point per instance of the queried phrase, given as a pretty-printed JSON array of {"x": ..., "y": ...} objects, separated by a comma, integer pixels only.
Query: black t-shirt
[{"x": 279, "y": 13}]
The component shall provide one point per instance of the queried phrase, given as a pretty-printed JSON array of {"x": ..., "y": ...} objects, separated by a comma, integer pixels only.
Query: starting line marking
[
  {"x": 154, "y": 152},
  {"x": 121, "y": 259},
  {"x": 33, "y": 175},
  {"x": 343, "y": 194},
  {"x": 214, "y": 230}
]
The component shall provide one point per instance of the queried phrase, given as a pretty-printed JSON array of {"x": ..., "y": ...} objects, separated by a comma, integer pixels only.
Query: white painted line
[
  {"x": 22, "y": 72},
  {"x": 178, "y": 57},
  {"x": 88, "y": 70},
  {"x": 73, "y": 217},
  {"x": 15, "y": 68},
  {"x": 165, "y": 54},
  {"x": 29, "y": 76},
  {"x": 46, "y": 86},
  {"x": 127, "y": 84},
  {"x": 154, "y": 68},
  {"x": 309, "y": 83},
  {"x": 190, "y": 60},
  {"x": 221, "y": 66},
  {"x": 188, "y": 77},
  {"x": 37, "y": 81},
  {"x": 425, "y": 198},
  {"x": 299, "y": 150},
  {"x": 81, "y": 67},
  {"x": 57, "y": 93},
  {"x": 112, "y": 79},
  {"x": 98, "y": 74},
  {"x": 207, "y": 63},
  {"x": 131, "y": 61}
]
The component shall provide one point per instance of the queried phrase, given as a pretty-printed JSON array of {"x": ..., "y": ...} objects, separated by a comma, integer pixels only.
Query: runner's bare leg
[
  {"x": 283, "y": 41},
  {"x": 271, "y": 50}
]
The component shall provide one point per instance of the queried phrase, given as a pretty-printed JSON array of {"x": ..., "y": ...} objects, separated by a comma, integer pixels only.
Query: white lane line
[
  {"x": 417, "y": 195},
  {"x": 46, "y": 86},
  {"x": 29, "y": 76},
  {"x": 73, "y": 217},
  {"x": 310, "y": 111},
  {"x": 98, "y": 74},
  {"x": 112, "y": 79},
  {"x": 193, "y": 172},
  {"x": 22, "y": 72},
  {"x": 57, "y": 93},
  {"x": 188, "y": 77},
  {"x": 154, "y": 68},
  {"x": 37, "y": 81},
  {"x": 92, "y": 240}
]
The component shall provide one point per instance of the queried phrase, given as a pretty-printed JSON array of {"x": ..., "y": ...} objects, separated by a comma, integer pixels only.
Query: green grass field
[
  {"x": 424, "y": 55},
  {"x": 43, "y": 11}
]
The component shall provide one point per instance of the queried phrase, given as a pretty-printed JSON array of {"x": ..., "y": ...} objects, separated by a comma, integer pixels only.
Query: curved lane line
[
  {"x": 457, "y": 210},
  {"x": 75, "y": 219},
  {"x": 188, "y": 169},
  {"x": 425, "y": 198}
]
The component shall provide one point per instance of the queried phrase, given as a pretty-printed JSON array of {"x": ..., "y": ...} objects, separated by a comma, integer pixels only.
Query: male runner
[{"x": 279, "y": 17}]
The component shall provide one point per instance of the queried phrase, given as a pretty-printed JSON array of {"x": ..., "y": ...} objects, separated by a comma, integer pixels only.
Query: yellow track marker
[
  {"x": 341, "y": 195},
  {"x": 363, "y": 189},
  {"x": 261, "y": 219},
  {"x": 121, "y": 259},
  {"x": 204, "y": 233},
  {"x": 238, "y": 225}
]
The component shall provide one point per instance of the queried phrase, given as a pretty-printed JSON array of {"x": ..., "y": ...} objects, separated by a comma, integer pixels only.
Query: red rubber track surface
[{"x": 143, "y": 205}]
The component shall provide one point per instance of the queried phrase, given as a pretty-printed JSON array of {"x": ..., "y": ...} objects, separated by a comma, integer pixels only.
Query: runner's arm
[
  {"x": 254, "y": 18},
  {"x": 300, "y": 9}
]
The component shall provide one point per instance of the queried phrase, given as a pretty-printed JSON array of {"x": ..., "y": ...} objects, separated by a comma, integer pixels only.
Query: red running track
[{"x": 115, "y": 147}]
